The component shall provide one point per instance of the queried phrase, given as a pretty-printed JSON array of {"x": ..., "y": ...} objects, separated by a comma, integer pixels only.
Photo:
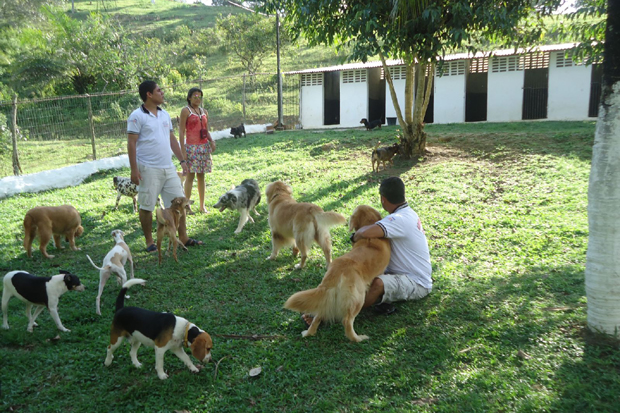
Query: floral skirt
[{"x": 199, "y": 158}]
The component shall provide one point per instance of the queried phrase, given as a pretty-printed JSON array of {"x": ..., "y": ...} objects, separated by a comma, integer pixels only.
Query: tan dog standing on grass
[
  {"x": 299, "y": 224},
  {"x": 342, "y": 293},
  {"x": 51, "y": 222},
  {"x": 384, "y": 155},
  {"x": 168, "y": 224}
]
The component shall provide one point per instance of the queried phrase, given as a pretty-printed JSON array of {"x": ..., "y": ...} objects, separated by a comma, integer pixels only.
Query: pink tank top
[{"x": 193, "y": 124}]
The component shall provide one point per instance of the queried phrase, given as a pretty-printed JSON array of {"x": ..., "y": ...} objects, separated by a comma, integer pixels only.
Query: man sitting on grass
[{"x": 408, "y": 275}]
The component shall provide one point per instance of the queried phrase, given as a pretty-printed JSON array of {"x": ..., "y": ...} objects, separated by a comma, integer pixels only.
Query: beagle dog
[
  {"x": 113, "y": 263},
  {"x": 162, "y": 331},
  {"x": 40, "y": 292}
]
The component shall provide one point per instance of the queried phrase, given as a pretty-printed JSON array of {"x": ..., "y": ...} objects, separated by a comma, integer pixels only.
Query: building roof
[{"x": 457, "y": 56}]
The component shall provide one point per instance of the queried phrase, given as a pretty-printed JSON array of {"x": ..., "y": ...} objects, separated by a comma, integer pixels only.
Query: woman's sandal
[{"x": 193, "y": 242}]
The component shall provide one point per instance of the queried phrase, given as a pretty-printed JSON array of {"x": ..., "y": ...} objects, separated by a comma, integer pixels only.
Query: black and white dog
[
  {"x": 236, "y": 132},
  {"x": 241, "y": 198},
  {"x": 124, "y": 186},
  {"x": 40, "y": 292}
]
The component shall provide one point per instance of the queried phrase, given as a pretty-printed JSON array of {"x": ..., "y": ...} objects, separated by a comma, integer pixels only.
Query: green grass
[{"x": 504, "y": 209}]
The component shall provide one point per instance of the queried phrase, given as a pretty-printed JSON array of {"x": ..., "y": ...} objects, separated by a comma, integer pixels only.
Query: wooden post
[
  {"x": 244, "y": 98},
  {"x": 16, "y": 167},
  {"x": 92, "y": 128}
]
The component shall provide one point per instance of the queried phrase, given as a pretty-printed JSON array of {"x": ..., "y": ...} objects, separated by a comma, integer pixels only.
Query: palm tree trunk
[{"x": 603, "y": 257}]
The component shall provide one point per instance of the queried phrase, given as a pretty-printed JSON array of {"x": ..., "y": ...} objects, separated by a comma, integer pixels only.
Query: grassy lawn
[{"x": 504, "y": 208}]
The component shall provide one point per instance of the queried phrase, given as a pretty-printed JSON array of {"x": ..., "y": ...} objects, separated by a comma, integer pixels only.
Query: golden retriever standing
[
  {"x": 51, "y": 222},
  {"x": 298, "y": 224},
  {"x": 341, "y": 294},
  {"x": 168, "y": 224}
]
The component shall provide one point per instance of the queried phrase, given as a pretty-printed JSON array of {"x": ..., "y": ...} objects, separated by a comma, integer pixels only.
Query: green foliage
[
  {"x": 250, "y": 37},
  {"x": 503, "y": 207}
]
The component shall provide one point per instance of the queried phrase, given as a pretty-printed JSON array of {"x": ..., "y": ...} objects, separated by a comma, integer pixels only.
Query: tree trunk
[
  {"x": 413, "y": 140},
  {"x": 603, "y": 256}
]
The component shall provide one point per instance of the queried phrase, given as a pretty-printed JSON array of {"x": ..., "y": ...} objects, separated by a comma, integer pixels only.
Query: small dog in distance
[
  {"x": 371, "y": 125},
  {"x": 383, "y": 155},
  {"x": 236, "y": 132}
]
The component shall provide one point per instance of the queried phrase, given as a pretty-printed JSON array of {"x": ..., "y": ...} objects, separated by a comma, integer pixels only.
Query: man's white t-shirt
[
  {"x": 153, "y": 146},
  {"x": 410, "y": 255}
]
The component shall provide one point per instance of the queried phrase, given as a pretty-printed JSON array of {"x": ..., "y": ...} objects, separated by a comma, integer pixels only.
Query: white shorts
[
  {"x": 156, "y": 181},
  {"x": 401, "y": 288}
]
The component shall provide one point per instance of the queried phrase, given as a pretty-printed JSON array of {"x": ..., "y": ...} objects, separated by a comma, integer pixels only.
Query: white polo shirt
[
  {"x": 410, "y": 255},
  {"x": 153, "y": 146}
]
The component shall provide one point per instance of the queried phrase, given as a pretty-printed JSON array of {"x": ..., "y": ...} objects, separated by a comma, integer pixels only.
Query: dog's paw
[
  {"x": 137, "y": 364},
  {"x": 65, "y": 330},
  {"x": 5, "y": 326},
  {"x": 50, "y": 256},
  {"x": 298, "y": 266},
  {"x": 29, "y": 329},
  {"x": 162, "y": 376},
  {"x": 108, "y": 360},
  {"x": 194, "y": 369},
  {"x": 361, "y": 338},
  {"x": 237, "y": 231}
]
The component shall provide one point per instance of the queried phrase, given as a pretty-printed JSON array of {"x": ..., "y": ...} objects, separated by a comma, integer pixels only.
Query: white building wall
[
  {"x": 505, "y": 90},
  {"x": 311, "y": 100},
  {"x": 569, "y": 89},
  {"x": 449, "y": 92},
  {"x": 353, "y": 97},
  {"x": 312, "y": 106}
]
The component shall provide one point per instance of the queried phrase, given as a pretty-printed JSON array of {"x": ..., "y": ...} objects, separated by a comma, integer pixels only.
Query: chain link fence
[{"x": 55, "y": 132}]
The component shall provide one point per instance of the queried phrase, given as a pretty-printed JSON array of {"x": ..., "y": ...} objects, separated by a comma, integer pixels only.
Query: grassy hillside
[{"x": 143, "y": 18}]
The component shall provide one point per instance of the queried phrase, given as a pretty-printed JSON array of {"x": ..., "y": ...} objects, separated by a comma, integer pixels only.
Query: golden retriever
[
  {"x": 298, "y": 224},
  {"x": 341, "y": 294},
  {"x": 51, "y": 222}
]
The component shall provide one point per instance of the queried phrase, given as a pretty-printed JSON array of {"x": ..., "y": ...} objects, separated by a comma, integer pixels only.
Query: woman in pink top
[{"x": 197, "y": 150}]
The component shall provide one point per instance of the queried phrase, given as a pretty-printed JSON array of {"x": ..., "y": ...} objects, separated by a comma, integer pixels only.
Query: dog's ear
[
  {"x": 233, "y": 198},
  {"x": 190, "y": 202},
  {"x": 64, "y": 272},
  {"x": 353, "y": 225}
]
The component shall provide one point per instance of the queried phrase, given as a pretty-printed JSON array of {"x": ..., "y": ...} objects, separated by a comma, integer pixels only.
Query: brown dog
[
  {"x": 383, "y": 155},
  {"x": 298, "y": 224},
  {"x": 51, "y": 222},
  {"x": 341, "y": 294},
  {"x": 168, "y": 224}
]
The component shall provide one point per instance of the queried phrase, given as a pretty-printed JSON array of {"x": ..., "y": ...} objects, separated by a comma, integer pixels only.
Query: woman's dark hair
[
  {"x": 190, "y": 93},
  {"x": 148, "y": 86},
  {"x": 393, "y": 189}
]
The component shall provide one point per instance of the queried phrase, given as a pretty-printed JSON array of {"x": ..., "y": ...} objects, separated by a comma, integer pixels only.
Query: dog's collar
[{"x": 186, "y": 333}]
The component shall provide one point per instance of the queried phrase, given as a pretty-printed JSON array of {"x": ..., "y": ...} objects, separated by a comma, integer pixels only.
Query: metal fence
[{"x": 97, "y": 123}]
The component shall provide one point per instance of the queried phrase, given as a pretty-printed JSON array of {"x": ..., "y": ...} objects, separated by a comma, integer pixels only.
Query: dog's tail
[
  {"x": 30, "y": 230},
  {"x": 330, "y": 304},
  {"x": 376, "y": 146},
  {"x": 326, "y": 220},
  {"x": 314, "y": 301},
  {"x": 120, "y": 299},
  {"x": 159, "y": 217},
  {"x": 91, "y": 261}
]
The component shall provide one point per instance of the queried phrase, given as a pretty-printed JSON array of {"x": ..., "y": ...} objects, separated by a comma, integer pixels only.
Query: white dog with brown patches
[
  {"x": 162, "y": 331},
  {"x": 113, "y": 263}
]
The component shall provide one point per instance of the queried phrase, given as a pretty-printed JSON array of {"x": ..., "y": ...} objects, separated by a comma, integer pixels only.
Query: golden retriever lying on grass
[{"x": 341, "y": 294}]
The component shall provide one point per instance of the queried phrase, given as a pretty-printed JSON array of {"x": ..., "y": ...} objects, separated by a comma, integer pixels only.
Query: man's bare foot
[{"x": 204, "y": 210}]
